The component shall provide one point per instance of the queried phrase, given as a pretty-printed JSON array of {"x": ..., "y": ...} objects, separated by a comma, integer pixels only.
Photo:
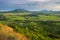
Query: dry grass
[{"x": 7, "y": 33}]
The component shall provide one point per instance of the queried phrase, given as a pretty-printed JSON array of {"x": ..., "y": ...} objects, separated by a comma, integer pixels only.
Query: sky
[{"x": 31, "y": 5}]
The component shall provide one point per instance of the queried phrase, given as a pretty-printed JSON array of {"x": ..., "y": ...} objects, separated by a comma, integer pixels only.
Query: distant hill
[
  {"x": 35, "y": 12},
  {"x": 16, "y": 10},
  {"x": 19, "y": 10}
]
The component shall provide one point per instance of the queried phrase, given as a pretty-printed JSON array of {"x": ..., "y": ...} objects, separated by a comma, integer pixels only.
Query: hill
[{"x": 7, "y": 33}]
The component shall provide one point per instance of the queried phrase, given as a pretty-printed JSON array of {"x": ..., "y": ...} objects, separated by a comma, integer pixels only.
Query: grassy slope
[{"x": 7, "y": 33}]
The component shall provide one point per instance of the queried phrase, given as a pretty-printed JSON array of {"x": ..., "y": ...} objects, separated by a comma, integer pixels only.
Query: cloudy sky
[{"x": 30, "y": 4}]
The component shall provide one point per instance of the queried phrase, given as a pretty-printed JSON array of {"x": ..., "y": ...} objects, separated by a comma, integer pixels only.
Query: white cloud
[
  {"x": 12, "y": 2},
  {"x": 52, "y": 7},
  {"x": 25, "y": 1},
  {"x": 31, "y": 4},
  {"x": 39, "y": 0}
]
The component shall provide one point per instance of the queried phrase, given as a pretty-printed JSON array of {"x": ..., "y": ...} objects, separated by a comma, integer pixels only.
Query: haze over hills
[{"x": 41, "y": 11}]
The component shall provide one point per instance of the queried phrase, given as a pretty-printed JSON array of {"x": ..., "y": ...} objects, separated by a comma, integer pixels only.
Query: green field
[{"x": 34, "y": 27}]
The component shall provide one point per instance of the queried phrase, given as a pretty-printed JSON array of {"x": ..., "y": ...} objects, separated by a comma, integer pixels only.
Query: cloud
[
  {"x": 57, "y": 2},
  {"x": 30, "y": 4},
  {"x": 14, "y": 2},
  {"x": 52, "y": 7},
  {"x": 39, "y": 0},
  {"x": 33, "y": 4}
]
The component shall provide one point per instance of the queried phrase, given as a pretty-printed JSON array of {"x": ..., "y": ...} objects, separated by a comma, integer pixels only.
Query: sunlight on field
[{"x": 53, "y": 18}]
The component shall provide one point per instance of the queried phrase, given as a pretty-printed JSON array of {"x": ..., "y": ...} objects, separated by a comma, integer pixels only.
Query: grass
[
  {"x": 7, "y": 33},
  {"x": 3, "y": 22},
  {"x": 52, "y": 18},
  {"x": 15, "y": 18}
]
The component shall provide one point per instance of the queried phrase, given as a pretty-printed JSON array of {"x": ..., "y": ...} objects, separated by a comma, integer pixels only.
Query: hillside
[
  {"x": 7, "y": 33},
  {"x": 34, "y": 26}
]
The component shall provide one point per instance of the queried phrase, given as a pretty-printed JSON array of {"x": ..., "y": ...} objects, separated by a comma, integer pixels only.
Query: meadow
[{"x": 35, "y": 26}]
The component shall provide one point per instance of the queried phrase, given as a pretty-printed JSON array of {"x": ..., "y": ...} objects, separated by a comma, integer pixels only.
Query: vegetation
[
  {"x": 35, "y": 26},
  {"x": 7, "y": 33}
]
